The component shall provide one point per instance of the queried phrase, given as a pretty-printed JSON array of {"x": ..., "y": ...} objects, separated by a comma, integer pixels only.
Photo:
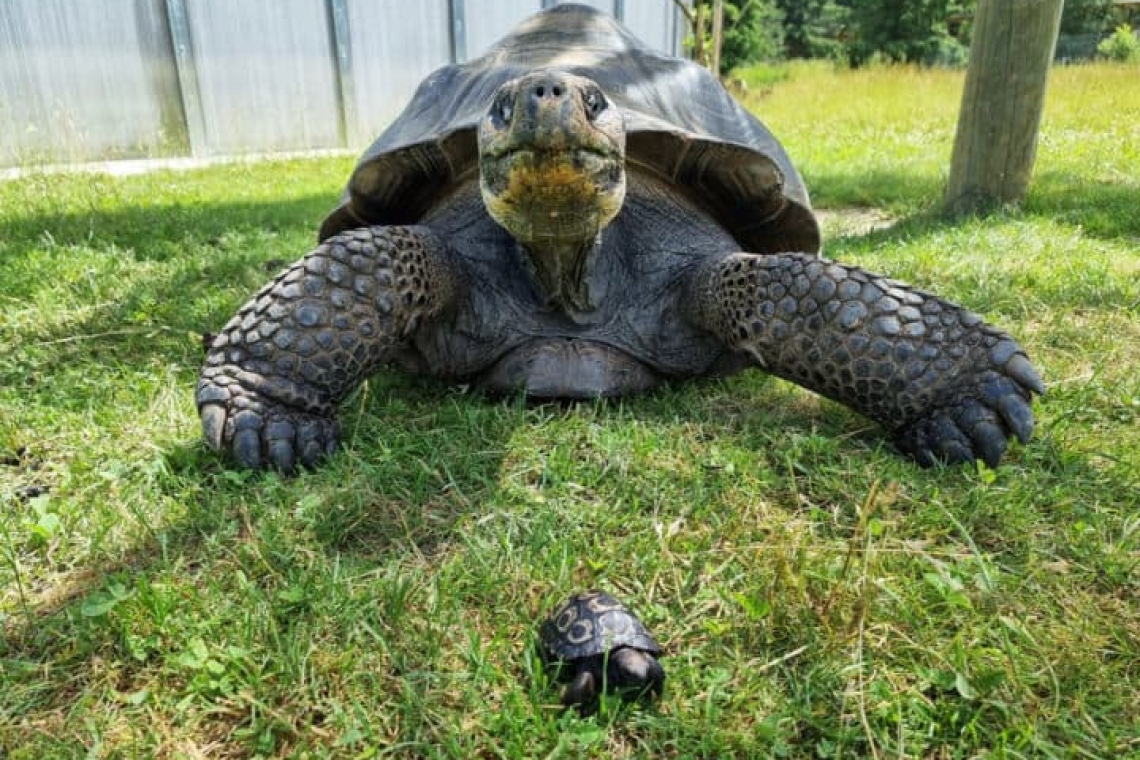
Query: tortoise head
[
  {"x": 635, "y": 671},
  {"x": 552, "y": 170}
]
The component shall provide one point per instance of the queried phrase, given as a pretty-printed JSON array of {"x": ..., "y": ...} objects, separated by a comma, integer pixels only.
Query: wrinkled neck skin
[{"x": 561, "y": 269}]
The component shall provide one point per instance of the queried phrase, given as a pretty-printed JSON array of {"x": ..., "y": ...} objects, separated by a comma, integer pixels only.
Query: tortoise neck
[{"x": 561, "y": 270}]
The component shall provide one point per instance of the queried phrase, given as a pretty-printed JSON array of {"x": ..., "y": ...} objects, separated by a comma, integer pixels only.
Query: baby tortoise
[{"x": 598, "y": 644}]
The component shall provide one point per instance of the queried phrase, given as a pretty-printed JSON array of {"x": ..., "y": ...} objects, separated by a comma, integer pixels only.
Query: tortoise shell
[
  {"x": 593, "y": 623},
  {"x": 681, "y": 124}
]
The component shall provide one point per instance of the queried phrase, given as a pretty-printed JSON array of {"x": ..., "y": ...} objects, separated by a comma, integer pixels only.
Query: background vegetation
[
  {"x": 855, "y": 32},
  {"x": 819, "y": 597}
]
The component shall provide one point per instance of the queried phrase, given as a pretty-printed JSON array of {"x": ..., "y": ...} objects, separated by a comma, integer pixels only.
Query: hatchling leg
[
  {"x": 275, "y": 373},
  {"x": 947, "y": 386}
]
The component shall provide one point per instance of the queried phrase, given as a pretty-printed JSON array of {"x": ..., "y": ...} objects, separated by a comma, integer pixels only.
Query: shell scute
[{"x": 590, "y": 624}]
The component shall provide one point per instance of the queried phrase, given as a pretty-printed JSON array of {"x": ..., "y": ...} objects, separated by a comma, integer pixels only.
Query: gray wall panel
[
  {"x": 266, "y": 74},
  {"x": 90, "y": 79},
  {"x": 393, "y": 47}
]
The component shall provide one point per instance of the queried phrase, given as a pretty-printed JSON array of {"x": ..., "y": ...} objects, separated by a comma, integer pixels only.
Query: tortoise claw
[
  {"x": 247, "y": 449},
  {"x": 978, "y": 420},
  {"x": 952, "y": 446},
  {"x": 971, "y": 428},
  {"x": 989, "y": 441},
  {"x": 213, "y": 424},
  {"x": 1018, "y": 416},
  {"x": 1020, "y": 369}
]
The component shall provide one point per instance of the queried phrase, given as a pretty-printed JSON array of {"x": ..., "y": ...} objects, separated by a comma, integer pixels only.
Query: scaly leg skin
[
  {"x": 947, "y": 386},
  {"x": 275, "y": 373}
]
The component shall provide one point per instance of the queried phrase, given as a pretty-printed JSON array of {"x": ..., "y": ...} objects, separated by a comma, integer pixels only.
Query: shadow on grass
[
  {"x": 256, "y": 544},
  {"x": 1107, "y": 211},
  {"x": 1065, "y": 225},
  {"x": 155, "y": 231},
  {"x": 195, "y": 253},
  {"x": 1104, "y": 210},
  {"x": 900, "y": 192},
  {"x": 177, "y": 303}
]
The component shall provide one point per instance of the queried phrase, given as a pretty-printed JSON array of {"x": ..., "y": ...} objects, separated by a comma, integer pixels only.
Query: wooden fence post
[{"x": 1004, "y": 94}]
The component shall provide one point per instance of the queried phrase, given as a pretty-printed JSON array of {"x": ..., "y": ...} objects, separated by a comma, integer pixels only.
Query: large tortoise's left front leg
[{"x": 946, "y": 385}]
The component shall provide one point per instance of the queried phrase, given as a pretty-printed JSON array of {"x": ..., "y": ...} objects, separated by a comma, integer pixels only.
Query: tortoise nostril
[{"x": 548, "y": 90}]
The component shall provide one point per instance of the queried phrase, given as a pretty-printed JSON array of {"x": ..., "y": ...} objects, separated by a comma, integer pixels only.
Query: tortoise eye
[
  {"x": 503, "y": 109},
  {"x": 595, "y": 103}
]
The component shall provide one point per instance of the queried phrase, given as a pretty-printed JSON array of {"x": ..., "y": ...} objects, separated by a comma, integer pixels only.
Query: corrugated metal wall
[
  {"x": 95, "y": 79},
  {"x": 486, "y": 25},
  {"x": 80, "y": 79},
  {"x": 392, "y": 47},
  {"x": 265, "y": 76}
]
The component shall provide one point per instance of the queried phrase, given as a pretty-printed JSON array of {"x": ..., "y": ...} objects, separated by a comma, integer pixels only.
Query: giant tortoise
[{"x": 573, "y": 215}]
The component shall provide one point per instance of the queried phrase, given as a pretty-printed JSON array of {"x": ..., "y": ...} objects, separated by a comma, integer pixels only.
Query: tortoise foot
[
  {"x": 260, "y": 432},
  {"x": 976, "y": 426}
]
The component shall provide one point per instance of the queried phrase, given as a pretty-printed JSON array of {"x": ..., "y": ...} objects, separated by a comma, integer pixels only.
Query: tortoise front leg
[
  {"x": 275, "y": 373},
  {"x": 582, "y": 689},
  {"x": 945, "y": 384}
]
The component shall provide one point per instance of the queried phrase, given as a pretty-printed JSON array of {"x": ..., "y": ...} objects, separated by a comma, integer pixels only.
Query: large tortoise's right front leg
[{"x": 275, "y": 373}]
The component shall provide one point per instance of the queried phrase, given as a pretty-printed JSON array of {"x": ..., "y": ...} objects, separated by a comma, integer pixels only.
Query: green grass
[{"x": 818, "y": 596}]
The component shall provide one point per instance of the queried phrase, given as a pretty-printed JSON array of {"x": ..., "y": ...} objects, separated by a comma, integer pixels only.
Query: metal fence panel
[
  {"x": 91, "y": 79},
  {"x": 266, "y": 75},
  {"x": 86, "y": 79},
  {"x": 393, "y": 47},
  {"x": 1076, "y": 47}
]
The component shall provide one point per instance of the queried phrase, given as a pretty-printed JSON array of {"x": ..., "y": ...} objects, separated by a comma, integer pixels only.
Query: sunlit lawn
[{"x": 818, "y": 595}]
